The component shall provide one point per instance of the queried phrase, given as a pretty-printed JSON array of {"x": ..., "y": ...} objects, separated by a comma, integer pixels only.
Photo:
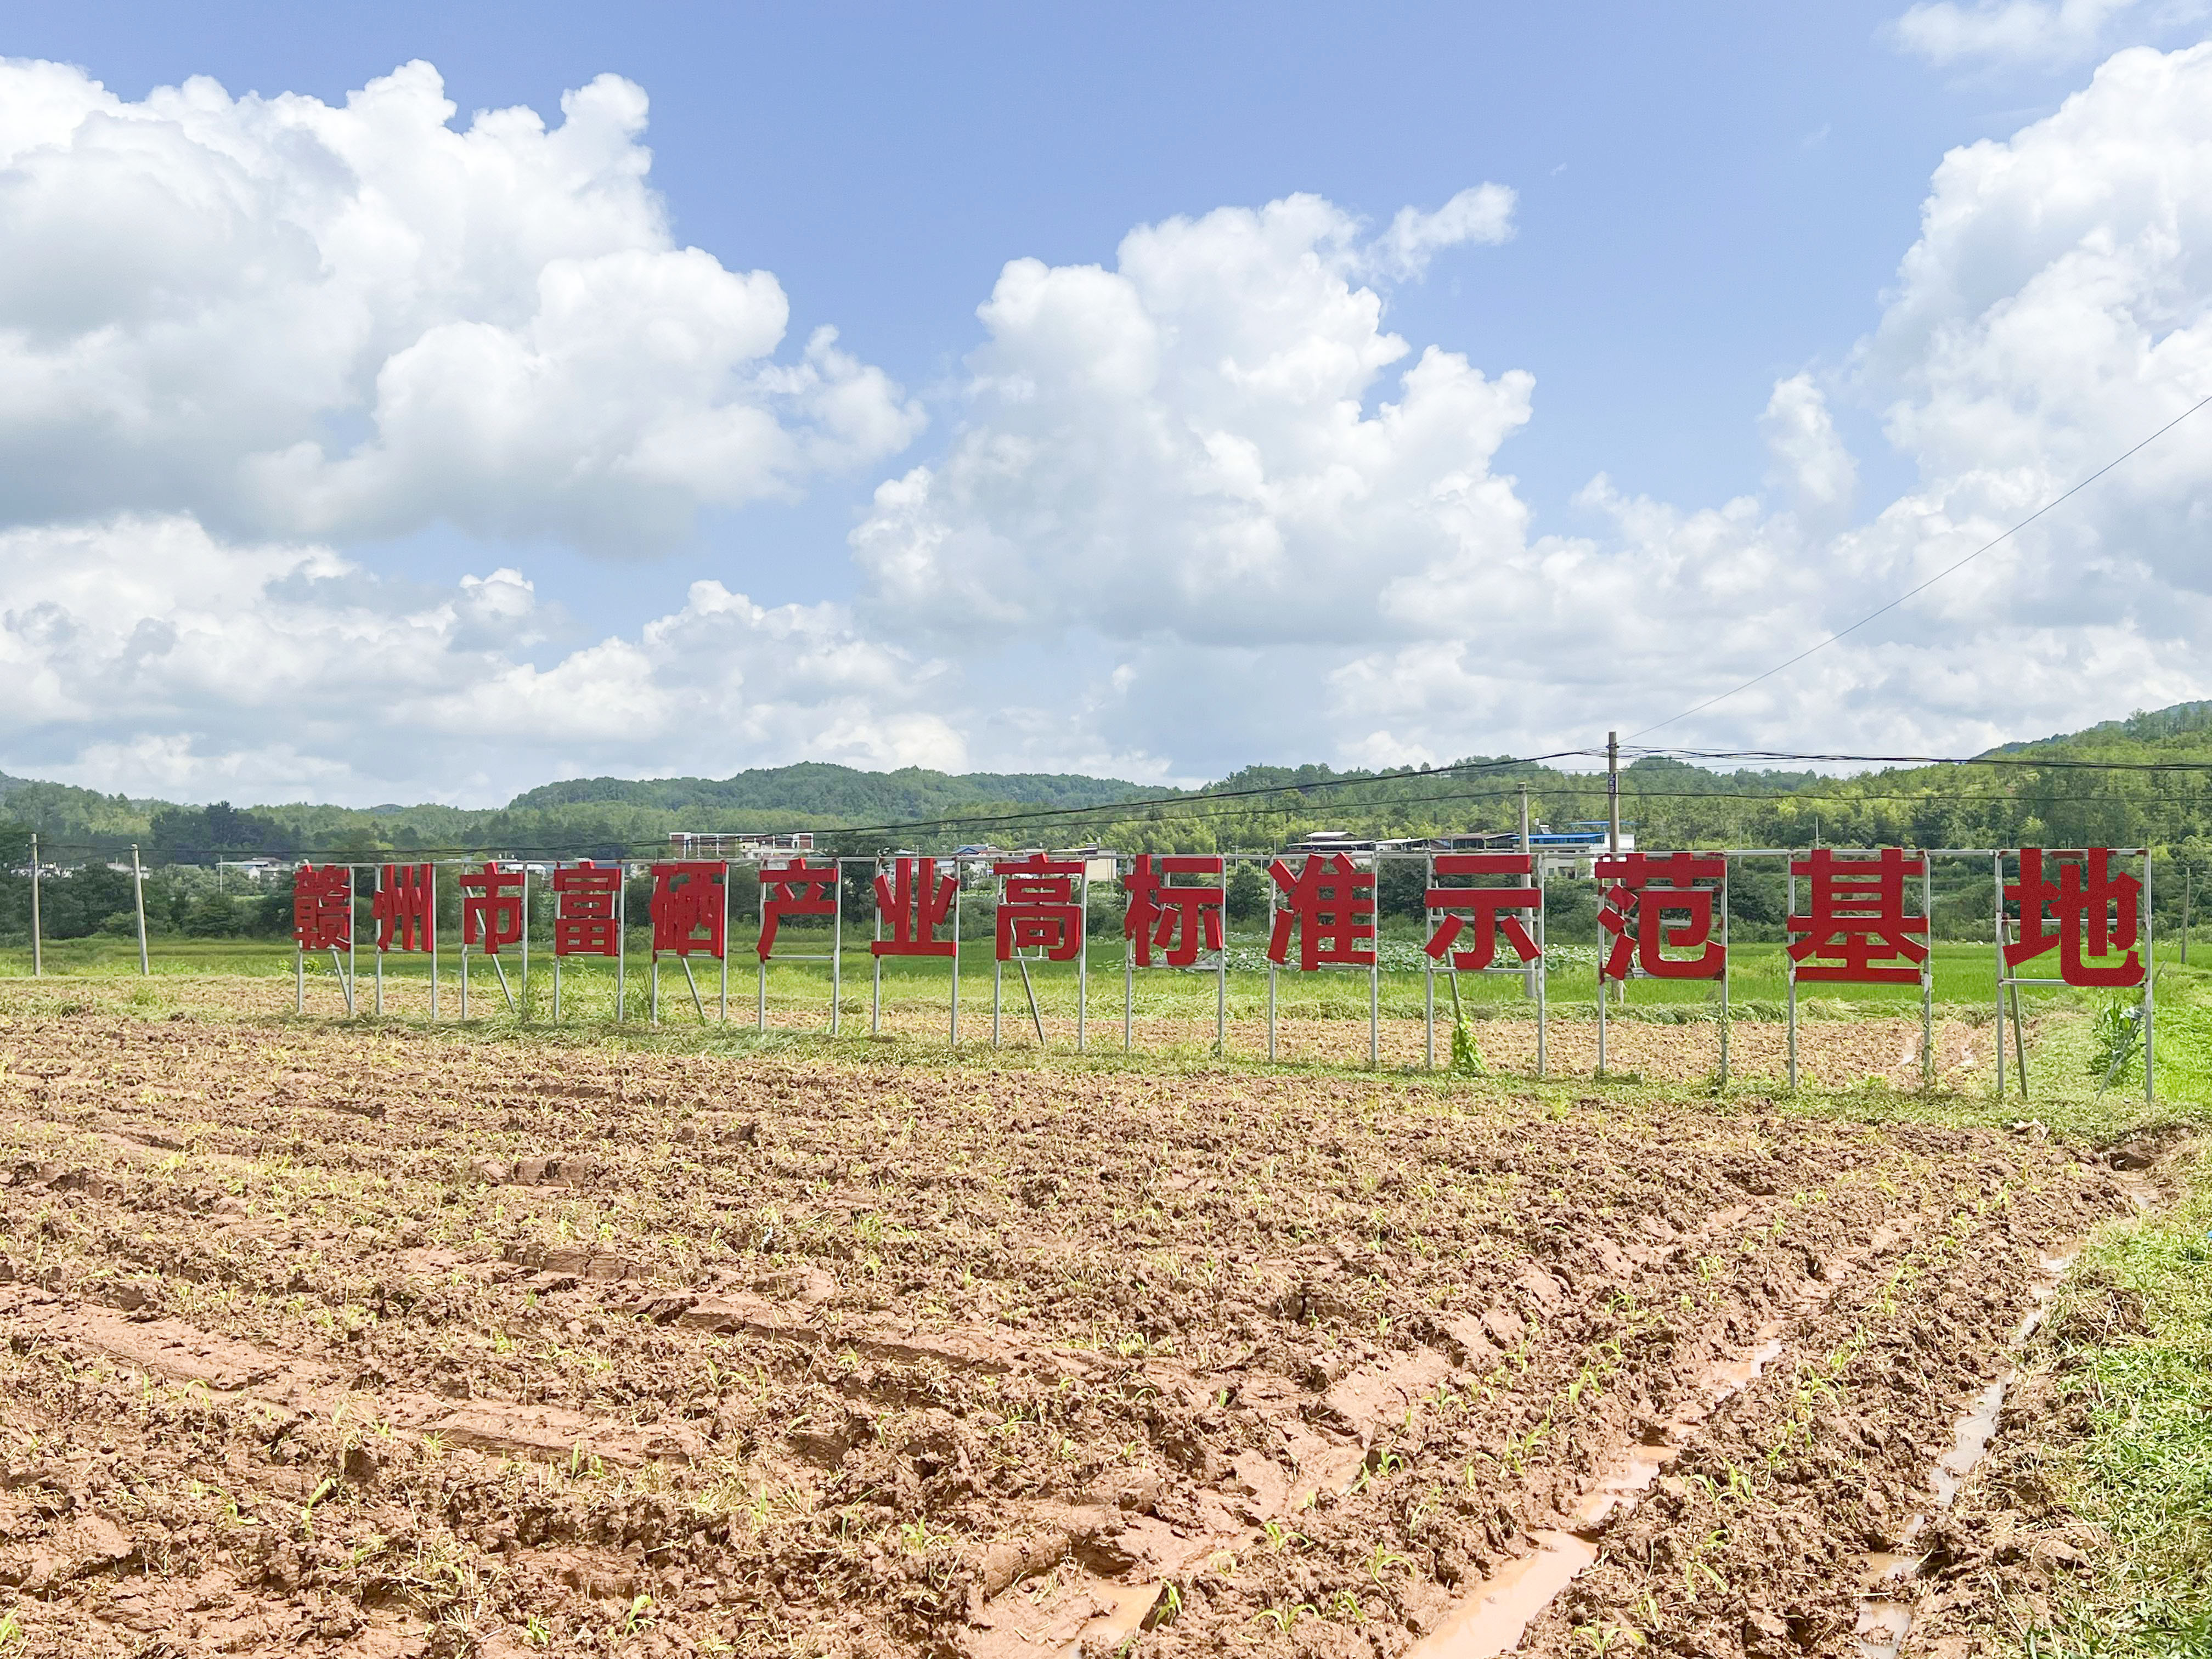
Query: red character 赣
[
  {"x": 1331, "y": 902},
  {"x": 1479, "y": 906},
  {"x": 1182, "y": 920},
  {"x": 585, "y": 924},
  {"x": 796, "y": 889},
  {"x": 1855, "y": 928},
  {"x": 322, "y": 908},
  {"x": 1039, "y": 908},
  {"x": 2095, "y": 911},
  {"x": 914, "y": 900},
  {"x": 690, "y": 914},
  {"x": 405, "y": 908},
  {"x": 1646, "y": 888},
  {"x": 491, "y": 907}
]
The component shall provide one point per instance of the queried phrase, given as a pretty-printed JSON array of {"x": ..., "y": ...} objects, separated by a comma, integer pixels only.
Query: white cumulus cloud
[{"x": 2037, "y": 32}]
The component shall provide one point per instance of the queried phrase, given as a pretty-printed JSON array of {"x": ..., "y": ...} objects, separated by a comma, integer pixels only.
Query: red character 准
[
  {"x": 914, "y": 900},
  {"x": 689, "y": 911},
  {"x": 491, "y": 907},
  {"x": 322, "y": 908},
  {"x": 1039, "y": 908},
  {"x": 796, "y": 889},
  {"x": 586, "y": 923},
  {"x": 1854, "y": 917},
  {"x": 405, "y": 908},
  {"x": 2096, "y": 913},
  {"x": 1479, "y": 906},
  {"x": 1181, "y": 919},
  {"x": 1646, "y": 888},
  {"x": 1331, "y": 902}
]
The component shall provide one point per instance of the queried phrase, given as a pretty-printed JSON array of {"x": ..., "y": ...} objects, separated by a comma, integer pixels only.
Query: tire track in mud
[{"x": 945, "y": 1355}]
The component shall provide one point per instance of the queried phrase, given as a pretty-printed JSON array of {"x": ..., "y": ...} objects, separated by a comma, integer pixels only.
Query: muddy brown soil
[{"x": 365, "y": 1342}]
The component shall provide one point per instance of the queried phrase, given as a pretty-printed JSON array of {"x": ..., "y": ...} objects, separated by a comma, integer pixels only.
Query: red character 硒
[{"x": 689, "y": 911}]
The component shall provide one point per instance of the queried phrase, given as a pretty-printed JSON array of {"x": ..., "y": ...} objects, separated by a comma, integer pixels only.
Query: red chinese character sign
[
  {"x": 1330, "y": 903},
  {"x": 689, "y": 915},
  {"x": 2086, "y": 912},
  {"x": 1481, "y": 912},
  {"x": 913, "y": 900},
  {"x": 1040, "y": 908},
  {"x": 322, "y": 908},
  {"x": 586, "y": 914},
  {"x": 491, "y": 907},
  {"x": 1854, "y": 928},
  {"x": 794, "y": 890},
  {"x": 1181, "y": 918},
  {"x": 405, "y": 908},
  {"x": 1655, "y": 902}
]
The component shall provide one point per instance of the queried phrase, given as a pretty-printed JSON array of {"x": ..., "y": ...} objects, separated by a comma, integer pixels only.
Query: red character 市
[
  {"x": 1855, "y": 928},
  {"x": 796, "y": 889},
  {"x": 1331, "y": 902},
  {"x": 405, "y": 908},
  {"x": 2095, "y": 911},
  {"x": 322, "y": 908},
  {"x": 1182, "y": 920},
  {"x": 586, "y": 924},
  {"x": 690, "y": 914},
  {"x": 1478, "y": 908},
  {"x": 491, "y": 907},
  {"x": 1646, "y": 889},
  {"x": 914, "y": 901}
]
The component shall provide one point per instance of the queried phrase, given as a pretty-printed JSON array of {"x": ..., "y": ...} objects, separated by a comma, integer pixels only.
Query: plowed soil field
[{"x": 376, "y": 1342}]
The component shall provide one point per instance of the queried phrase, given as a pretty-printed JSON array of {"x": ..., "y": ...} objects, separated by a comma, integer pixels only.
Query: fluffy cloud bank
[{"x": 290, "y": 319}]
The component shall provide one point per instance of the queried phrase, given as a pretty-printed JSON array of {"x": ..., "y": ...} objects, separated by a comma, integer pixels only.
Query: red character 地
[
  {"x": 1181, "y": 919},
  {"x": 1646, "y": 888},
  {"x": 1855, "y": 928},
  {"x": 914, "y": 900},
  {"x": 491, "y": 907},
  {"x": 405, "y": 908},
  {"x": 1479, "y": 909},
  {"x": 1040, "y": 909},
  {"x": 1331, "y": 902},
  {"x": 2095, "y": 913},
  {"x": 585, "y": 923},
  {"x": 690, "y": 912},
  {"x": 796, "y": 889},
  {"x": 322, "y": 908}
]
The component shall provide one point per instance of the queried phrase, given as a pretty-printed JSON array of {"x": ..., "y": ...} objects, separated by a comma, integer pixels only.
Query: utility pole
[
  {"x": 1528, "y": 977},
  {"x": 1612, "y": 793}
]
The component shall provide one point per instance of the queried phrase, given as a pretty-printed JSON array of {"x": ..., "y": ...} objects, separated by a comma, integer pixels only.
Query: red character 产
[{"x": 796, "y": 889}]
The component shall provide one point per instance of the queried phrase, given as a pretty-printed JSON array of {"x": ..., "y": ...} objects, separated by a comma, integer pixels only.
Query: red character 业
[{"x": 914, "y": 900}]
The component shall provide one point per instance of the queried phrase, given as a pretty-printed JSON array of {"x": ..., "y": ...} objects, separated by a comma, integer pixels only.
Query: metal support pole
[
  {"x": 1543, "y": 974},
  {"x": 1996, "y": 883},
  {"x": 464, "y": 976},
  {"x": 1375, "y": 1002},
  {"x": 1727, "y": 961},
  {"x": 837, "y": 949},
  {"x": 653, "y": 999},
  {"x": 1529, "y": 976},
  {"x": 378, "y": 890},
  {"x": 1928, "y": 974},
  {"x": 952, "y": 1031},
  {"x": 1789, "y": 982},
  {"x": 2150, "y": 980},
  {"x": 1429, "y": 966},
  {"x": 353, "y": 923},
  {"x": 876, "y": 960},
  {"x": 1083, "y": 959},
  {"x": 725, "y": 948},
  {"x": 760, "y": 1021},
  {"x": 139, "y": 894},
  {"x": 433, "y": 941},
  {"x": 622, "y": 937},
  {"x": 1221, "y": 973},
  {"x": 38, "y": 953}
]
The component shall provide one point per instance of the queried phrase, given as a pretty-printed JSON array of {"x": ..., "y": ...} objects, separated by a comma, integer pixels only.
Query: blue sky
[{"x": 1707, "y": 202}]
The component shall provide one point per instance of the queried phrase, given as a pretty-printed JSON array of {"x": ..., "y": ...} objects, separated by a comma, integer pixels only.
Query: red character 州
[
  {"x": 1039, "y": 909},
  {"x": 796, "y": 889},
  {"x": 405, "y": 908},
  {"x": 689, "y": 911},
  {"x": 586, "y": 924},
  {"x": 1646, "y": 887},
  {"x": 491, "y": 907},
  {"x": 322, "y": 908},
  {"x": 1182, "y": 919},
  {"x": 1331, "y": 900},
  {"x": 2096, "y": 911},
  {"x": 1855, "y": 915},
  {"x": 1479, "y": 907},
  {"x": 914, "y": 900}
]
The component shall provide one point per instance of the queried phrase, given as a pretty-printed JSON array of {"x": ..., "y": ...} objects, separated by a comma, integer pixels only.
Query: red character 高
[{"x": 585, "y": 923}]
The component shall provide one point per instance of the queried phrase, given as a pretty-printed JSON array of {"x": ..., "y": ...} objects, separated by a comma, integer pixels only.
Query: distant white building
[{"x": 740, "y": 846}]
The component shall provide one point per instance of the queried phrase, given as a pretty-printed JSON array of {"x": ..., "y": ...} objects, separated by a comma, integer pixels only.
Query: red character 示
[
  {"x": 2097, "y": 912},
  {"x": 585, "y": 918},
  {"x": 1854, "y": 917},
  {"x": 796, "y": 889},
  {"x": 1647, "y": 887},
  {"x": 914, "y": 900},
  {"x": 1478, "y": 908},
  {"x": 322, "y": 908},
  {"x": 690, "y": 914},
  {"x": 1181, "y": 919},
  {"x": 1039, "y": 908},
  {"x": 405, "y": 908},
  {"x": 491, "y": 907},
  {"x": 1331, "y": 902}
]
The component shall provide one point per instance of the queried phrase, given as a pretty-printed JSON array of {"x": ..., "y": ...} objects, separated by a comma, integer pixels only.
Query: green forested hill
[{"x": 821, "y": 791}]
